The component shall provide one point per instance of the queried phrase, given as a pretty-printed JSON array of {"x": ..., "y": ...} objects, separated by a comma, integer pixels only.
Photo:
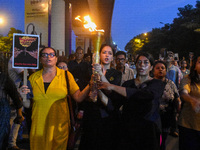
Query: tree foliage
[
  {"x": 182, "y": 36},
  {"x": 135, "y": 45},
  {"x": 6, "y": 41}
]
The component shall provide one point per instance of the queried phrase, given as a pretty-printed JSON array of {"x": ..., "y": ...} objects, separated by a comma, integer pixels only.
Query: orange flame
[{"x": 88, "y": 24}]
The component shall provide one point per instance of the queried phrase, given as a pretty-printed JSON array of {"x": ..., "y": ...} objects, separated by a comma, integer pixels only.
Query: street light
[{"x": 1, "y": 20}]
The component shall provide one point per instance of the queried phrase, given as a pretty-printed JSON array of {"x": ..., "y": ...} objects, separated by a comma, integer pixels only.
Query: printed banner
[
  {"x": 25, "y": 51},
  {"x": 37, "y": 19}
]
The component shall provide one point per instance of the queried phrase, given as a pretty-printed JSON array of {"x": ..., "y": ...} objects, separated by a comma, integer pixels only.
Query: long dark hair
[{"x": 193, "y": 73}]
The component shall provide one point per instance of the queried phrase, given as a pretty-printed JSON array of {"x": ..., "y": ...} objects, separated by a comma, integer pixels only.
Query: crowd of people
[{"x": 138, "y": 105}]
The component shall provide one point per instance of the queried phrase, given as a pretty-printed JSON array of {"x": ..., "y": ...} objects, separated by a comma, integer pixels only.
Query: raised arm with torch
[{"x": 96, "y": 40}]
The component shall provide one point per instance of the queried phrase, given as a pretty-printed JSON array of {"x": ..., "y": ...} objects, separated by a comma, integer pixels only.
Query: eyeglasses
[
  {"x": 120, "y": 59},
  {"x": 46, "y": 55},
  {"x": 62, "y": 67}
]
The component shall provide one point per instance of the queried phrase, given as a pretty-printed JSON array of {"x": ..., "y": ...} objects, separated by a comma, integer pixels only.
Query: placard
[{"x": 25, "y": 51}]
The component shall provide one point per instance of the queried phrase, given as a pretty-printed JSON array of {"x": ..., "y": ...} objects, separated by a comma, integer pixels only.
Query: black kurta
[
  {"x": 100, "y": 122},
  {"x": 141, "y": 125}
]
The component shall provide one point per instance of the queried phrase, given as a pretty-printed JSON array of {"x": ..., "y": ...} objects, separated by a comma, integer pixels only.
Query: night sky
[
  {"x": 133, "y": 17},
  {"x": 130, "y": 17}
]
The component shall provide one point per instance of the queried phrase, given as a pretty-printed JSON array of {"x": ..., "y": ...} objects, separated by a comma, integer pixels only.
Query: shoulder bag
[{"x": 75, "y": 129}]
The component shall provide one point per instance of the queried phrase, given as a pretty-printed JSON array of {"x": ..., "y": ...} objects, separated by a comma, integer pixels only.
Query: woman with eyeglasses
[
  {"x": 50, "y": 113},
  {"x": 141, "y": 125},
  {"x": 62, "y": 64}
]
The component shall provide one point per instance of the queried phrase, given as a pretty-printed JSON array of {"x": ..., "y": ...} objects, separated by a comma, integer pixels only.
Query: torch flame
[
  {"x": 78, "y": 18},
  {"x": 88, "y": 24}
]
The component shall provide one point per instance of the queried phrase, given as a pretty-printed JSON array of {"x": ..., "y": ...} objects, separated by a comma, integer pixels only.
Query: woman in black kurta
[
  {"x": 100, "y": 121},
  {"x": 141, "y": 125},
  {"x": 140, "y": 116}
]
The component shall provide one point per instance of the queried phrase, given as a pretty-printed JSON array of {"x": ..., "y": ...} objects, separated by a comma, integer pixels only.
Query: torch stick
[
  {"x": 97, "y": 44},
  {"x": 97, "y": 36},
  {"x": 25, "y": 82}
]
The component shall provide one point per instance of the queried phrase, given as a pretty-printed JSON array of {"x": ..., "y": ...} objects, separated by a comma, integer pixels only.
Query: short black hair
[
  {"x": 61, "y": 59},
  {"x": 79, "y": 48},
  {"x": 40, "y": 54},
  {"x": 147, "y": 55},
  {"x": 159, "y": 61},
  {"x": 120, "y": 53}
]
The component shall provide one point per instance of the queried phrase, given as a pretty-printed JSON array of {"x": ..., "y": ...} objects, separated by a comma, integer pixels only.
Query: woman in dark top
[
  {"x": 7, "y": 87},
  {"x": 141, "y": 125},
  {"x": 170, "y": 102},
  {"x": 100, "y": 119}
]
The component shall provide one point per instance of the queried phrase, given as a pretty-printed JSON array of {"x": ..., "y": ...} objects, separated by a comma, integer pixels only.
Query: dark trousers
[
  {"x": 28, "y": 113},
  {"x": 189, "y": 139}
]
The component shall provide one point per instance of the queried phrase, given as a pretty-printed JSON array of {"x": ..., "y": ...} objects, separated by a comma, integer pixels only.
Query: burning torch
[{"x": 96, "y": 40}]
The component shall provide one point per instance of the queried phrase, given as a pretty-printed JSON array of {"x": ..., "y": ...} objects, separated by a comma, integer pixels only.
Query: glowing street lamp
[
  {"x": 145, "y": 34},
  {"x": 1, "y": 20}
]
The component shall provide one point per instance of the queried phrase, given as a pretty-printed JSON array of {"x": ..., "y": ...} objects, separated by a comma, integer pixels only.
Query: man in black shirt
[
  {"x": 82, "y": 72},
  {"x": 80, "y": 69}
]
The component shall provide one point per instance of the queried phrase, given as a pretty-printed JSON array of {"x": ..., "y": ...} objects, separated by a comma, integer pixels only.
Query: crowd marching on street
[{"x": 120, "y": 103}]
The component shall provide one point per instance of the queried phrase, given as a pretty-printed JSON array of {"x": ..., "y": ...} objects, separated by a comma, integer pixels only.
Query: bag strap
[{"x": 70, "y": 101}]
